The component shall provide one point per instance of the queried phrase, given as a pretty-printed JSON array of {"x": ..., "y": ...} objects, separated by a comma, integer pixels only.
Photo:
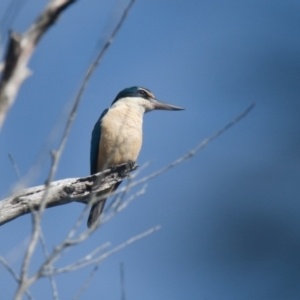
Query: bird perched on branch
[{"x": 117, "y": 135}]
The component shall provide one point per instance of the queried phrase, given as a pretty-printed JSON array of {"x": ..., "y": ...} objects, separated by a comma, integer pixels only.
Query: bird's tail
[{"x": 95, "y": 213}]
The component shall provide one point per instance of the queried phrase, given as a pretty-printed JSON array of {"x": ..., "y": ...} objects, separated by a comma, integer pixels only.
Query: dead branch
[
  {"x": 19, "y": 51},
  {"x": 62, "y": 192}
]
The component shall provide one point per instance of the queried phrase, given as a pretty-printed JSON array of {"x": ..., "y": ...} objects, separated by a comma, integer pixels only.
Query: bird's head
[{"x": 138, "y": 96}]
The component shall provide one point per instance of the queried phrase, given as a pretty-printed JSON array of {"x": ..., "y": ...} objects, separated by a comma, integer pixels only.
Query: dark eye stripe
[
  {"x": 144, "y": 93},
  {"x": 134, "y": 92}
]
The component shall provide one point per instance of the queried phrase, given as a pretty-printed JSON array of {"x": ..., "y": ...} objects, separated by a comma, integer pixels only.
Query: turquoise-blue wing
[{"x": 96, "y": 135}]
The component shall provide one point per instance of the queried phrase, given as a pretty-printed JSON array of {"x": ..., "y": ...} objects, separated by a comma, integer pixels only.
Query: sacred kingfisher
[{"x": 117, "y": 135}]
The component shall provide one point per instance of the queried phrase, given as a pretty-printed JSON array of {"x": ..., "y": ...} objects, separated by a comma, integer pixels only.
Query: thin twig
[
  {"x": 51, "y": 277},
  {"x": 87, "y": 283},
  {"x": 106, "y": 217},
  {"x": 119, "y": 197},
  {"x": 9, "y": 269},
  {"x": 24, "y": 282},
  {"x": 75, "y": 266},
  {"x": 14, "y": 275},
  {"x": 15, "y": 166},
  {"x": 92, "y": 254}
]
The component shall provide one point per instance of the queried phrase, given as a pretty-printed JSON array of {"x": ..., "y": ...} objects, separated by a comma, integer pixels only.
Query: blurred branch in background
[{"x": 19, "y": 51}]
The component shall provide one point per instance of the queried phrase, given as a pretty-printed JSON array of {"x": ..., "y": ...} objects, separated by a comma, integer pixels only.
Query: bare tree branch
[
  {"x": 19, "y": 52},
  {"x": 61, "y": 192}
]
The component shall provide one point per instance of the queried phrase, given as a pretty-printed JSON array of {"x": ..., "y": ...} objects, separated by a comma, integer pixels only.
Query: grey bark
[{"x": 62, "y": 192}]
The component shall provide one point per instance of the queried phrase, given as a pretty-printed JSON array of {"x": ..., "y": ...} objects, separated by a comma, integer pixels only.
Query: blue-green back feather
[{"x": 96, "y": 135}]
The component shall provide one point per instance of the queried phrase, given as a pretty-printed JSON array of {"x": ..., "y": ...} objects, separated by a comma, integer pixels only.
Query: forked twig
[{"x": 14, "y": 275}]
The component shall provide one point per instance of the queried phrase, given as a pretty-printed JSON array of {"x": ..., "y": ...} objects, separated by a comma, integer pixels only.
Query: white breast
[{"x": 121, "y": 136}]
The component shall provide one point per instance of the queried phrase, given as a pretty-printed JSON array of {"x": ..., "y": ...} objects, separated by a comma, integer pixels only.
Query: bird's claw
[{"x": 130, "y": 165}]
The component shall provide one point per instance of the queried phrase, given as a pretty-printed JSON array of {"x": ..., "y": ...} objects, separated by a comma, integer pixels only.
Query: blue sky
[{"x": 230, "y": 215}]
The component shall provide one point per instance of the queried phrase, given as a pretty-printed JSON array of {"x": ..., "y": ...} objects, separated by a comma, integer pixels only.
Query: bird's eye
[{"x": 143, "y": 93}]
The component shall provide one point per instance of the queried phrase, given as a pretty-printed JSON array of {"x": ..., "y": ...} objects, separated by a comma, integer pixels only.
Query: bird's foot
[
  {"x": 124, "y": 169},
  {"x": 131, "y": 165},
  {"x": 113, "y": 168},
  {"x": 128, "y": 167}
]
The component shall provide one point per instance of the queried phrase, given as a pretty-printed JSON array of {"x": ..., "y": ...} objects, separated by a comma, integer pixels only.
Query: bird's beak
[{"x": 163, "y": 105}]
